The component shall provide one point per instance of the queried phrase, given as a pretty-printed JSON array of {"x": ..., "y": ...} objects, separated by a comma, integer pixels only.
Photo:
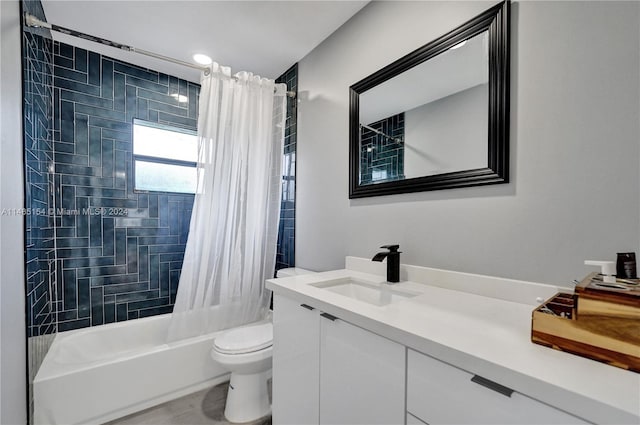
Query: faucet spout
[
  {"x": 380, "y": 256},
  {"x": 393, "y": 262}
]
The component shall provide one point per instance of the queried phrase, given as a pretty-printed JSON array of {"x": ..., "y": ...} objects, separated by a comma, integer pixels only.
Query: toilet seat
[{"x": 244, "y": 340}]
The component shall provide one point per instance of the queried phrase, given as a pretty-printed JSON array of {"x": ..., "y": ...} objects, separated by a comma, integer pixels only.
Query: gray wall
[
  {"x": 448, "y": 134},
  {"x": 574, "y": 191},
  {"x": 13, "y": 390}
]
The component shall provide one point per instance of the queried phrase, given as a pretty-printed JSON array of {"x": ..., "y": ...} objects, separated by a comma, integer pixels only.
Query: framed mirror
[{"x": 437, "y": 118}]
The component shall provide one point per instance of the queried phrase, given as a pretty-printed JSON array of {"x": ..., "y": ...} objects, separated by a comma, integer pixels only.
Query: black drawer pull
[
  {"x": 492, "y": 385},
  {"x": 328, "y": 316},
  {"x": 308, "y": 307}
]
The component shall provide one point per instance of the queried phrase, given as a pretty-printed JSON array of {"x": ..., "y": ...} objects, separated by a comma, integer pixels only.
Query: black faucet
[{"x": 393, "y": 262}]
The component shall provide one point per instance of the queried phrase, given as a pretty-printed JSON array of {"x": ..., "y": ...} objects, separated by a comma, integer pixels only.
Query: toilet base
[{"x": 248, "y": 397}]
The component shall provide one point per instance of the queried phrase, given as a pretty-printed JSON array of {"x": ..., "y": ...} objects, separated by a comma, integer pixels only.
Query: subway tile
[
  {"x": 82, "y": 221},
  {"x": 99, "y": 192},
  {"x": 80, "y": 59},
  {"x": 74, "y": 324},
  {"x": 176, "y": 256},
  {"x": 87, "y": 262},
  {"x": 78, "y": 252},
  {"x": 135, "y": 71},
  {"x": 138, "y": 82},
  {"x": 70, "y": 287},
  {"x": 121, "y": 246},
  {"x": 164, "y": 279},
  {"x": 148, "y": 231},
  {"x": 118, "y": 136},
  {"x": 137, "y": 305},
  {"x": 95, "y": 230},
  {"x": 97, "y": 309},
  {"x": 108, "y": 238},
  {"x": 121, "y": 312},
  {"x": 177, "y": 120},
  {"x": 81, "y": 133},
  {"x": 63, "y": 61},
  {"x": 87, "y": 180},
  {"x": 109, "y": 312},
  {"x": 169, "y": 109},
  {"x": 119, "y": 92},
  {"x": 132, "y": 255},
  {"x": 95, "y": 147},
  {"x": 155, "y": 311},
  {"x": 64, "y": 316},
  {"x": 107, "y": 157},
  {"x": 84, "y": 298},
  {"x": 96, "y": 111},
  {"x": 106, "y": 87},
  {"x": 174, "y": 280},
  {"x": 122, "y": 288},
  {"x": 70, "y": 74},
  {"x": 154, "y": 272},
  {"x": 65, "y": 158},
  {"x": 143, "y": 263},
  {"x": 115, "y": 203},
  {"x": 63, "y": 83},
  {"x": 109, "y": 124},
  {"x": 162, "y": 249},
  {"x": 137, "y": 296},
  {"x": 72, "y": 242},
  {"x": 94, "y": 69},
  {"x": 115, "y": 280},
  {"x": 143, "y": 109}
]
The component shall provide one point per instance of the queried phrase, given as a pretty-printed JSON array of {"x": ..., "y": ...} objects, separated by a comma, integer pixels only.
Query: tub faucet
[{"x": 393, "y": 262}]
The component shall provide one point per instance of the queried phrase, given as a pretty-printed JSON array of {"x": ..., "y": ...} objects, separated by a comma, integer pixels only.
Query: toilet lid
[{"x": 245, "y": 340}]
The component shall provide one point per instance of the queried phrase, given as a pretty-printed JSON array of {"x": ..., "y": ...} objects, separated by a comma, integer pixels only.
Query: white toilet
[{"x": 246, "y": 352}]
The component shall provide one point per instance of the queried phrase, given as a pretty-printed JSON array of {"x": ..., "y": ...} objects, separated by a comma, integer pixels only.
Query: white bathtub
[{"x": 94, "y": 375}]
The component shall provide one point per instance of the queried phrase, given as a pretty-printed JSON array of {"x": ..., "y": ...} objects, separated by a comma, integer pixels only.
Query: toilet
[{"x": 246, "y": 352}]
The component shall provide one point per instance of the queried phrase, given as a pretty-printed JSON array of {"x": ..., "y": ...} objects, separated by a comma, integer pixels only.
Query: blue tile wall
[
  {"x": 123, "y": 260},
  {"x": 380, "y": 157},
  {"x": 41, "y": 266},
  {"x": 286, "y": 252}
]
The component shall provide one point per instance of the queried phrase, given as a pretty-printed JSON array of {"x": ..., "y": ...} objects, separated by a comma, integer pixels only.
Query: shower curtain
[{"x": 231, "y": 246}]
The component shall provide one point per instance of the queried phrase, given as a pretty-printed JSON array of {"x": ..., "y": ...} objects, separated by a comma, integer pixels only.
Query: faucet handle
[{"x": 391, "y": 248}]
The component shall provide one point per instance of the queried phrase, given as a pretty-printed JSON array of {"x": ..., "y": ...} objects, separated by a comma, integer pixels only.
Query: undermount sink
[{"x": 377, "y": 294}]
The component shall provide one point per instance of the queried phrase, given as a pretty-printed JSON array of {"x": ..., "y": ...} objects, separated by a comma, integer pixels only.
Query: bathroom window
[{"x": 164, "y": 158}]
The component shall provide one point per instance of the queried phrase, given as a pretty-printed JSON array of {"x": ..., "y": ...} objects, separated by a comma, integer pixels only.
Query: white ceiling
[{"x": 263, "y": 37}]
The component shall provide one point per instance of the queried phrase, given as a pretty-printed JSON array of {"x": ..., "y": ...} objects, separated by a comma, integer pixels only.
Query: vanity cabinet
[
  {"x": 363, "y": 374},
  {"x": 438, "y": 393},
  {"x": 296, "y": 360}
]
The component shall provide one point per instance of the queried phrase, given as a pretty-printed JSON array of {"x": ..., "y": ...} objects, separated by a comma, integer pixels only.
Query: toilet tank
[{"x": 292, "y": 271}]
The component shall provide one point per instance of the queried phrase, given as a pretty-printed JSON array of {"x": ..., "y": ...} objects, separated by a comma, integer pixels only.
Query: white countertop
[{"x": 481, "y": 334}]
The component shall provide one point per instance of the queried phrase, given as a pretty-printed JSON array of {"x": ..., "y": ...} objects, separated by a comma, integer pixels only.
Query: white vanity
[{"x": 439, "y": 347}]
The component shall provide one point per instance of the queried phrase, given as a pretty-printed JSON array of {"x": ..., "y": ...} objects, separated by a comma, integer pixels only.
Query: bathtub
[{"x": 98, "y": 374}]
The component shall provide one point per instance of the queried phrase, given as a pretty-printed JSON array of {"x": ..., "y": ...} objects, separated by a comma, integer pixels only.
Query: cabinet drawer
[{"x": 438, "y": 393}]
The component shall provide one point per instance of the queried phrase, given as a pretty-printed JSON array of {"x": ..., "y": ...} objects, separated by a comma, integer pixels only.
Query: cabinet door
[
  {"x": 438, "y": 393},
  {"x": 296, "y": 349},
  {"x": 362, "y": 379}
]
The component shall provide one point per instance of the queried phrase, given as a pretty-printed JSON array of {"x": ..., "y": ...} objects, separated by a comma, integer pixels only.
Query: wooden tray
[
  {"x": 597, "y": 298},
  {"x": 605, "y": 338}
]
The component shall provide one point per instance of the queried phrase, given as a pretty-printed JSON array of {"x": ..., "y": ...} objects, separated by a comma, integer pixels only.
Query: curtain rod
[
  {"x": 32, "y": 21},
  {"x": 395, "y": 139}
]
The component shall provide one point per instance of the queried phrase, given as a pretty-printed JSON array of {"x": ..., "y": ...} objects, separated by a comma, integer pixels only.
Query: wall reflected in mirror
[{"x": 431, "y": 119}]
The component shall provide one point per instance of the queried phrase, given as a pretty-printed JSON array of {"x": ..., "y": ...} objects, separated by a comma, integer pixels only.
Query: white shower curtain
[{"x": 231, "y": 246}]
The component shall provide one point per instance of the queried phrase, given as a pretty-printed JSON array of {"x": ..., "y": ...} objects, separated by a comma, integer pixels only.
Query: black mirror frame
[{"x": 498, "y": 23}]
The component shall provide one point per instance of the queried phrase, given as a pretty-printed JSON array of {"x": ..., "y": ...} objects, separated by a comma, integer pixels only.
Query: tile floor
[{"x": 203, "y": 407}]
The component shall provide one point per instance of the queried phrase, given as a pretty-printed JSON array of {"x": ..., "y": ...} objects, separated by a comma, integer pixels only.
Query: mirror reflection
[{"x": 429, "y": 120}]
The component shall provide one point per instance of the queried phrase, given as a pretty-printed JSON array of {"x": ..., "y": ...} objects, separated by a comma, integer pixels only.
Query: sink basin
[{"x": 377, "y": 294}]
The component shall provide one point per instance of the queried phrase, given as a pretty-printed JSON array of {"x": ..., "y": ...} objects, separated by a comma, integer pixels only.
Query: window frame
[{"x": 158, "y": 160}]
